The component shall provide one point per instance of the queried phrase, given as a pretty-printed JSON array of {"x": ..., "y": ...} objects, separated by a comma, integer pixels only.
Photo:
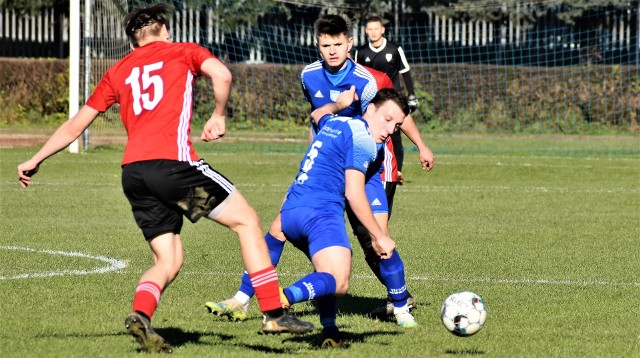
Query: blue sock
[
  {"x": 327, "y": 310},
  {"x": 392, "y": 271},
  {"x": 275, "y": 247},
  {"x": 314, "y": 285}
]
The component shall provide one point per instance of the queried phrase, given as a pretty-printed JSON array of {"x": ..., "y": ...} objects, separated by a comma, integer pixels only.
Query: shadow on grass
[
  {"x": 314, "y": 340},
  {"x": 177, "y": 338},
  {"x": 364, "y": 306}
]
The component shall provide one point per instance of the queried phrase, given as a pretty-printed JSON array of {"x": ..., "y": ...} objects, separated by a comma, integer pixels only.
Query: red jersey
[
  {"x": 390, "y": 164},
  {"x": 382, "y": 80},
  {"x": 154, "y": 86}
]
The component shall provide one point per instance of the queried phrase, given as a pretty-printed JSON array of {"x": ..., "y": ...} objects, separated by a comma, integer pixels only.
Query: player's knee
[
  {"x": 171, "y": 267},
  {"x": 342, "y": 285}
]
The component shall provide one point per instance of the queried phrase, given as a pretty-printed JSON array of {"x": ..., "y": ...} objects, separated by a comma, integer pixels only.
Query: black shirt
[{"x": 388, "y": 58}]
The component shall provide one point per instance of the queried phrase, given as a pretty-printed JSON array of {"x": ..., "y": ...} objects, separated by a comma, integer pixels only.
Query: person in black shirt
[{"x": 386, "y": 56}]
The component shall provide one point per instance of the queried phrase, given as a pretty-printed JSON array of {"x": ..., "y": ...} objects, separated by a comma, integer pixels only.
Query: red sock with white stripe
[
  {"x": 265, "y": 284},
  {"x": 146, "y": 298}
]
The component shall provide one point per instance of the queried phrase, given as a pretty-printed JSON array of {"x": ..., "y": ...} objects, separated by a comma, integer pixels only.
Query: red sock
[
  {"x": 146, "y": 298},
  {"x": 265, "y": 284}
]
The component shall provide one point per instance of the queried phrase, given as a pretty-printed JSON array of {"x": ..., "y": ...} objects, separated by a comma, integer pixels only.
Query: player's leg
[
  {"x": 198, "y": 190},
  {"x": 327, "y": 243},
  {"x": 240, "y": 217},
  {"x": 161, "y": 226},
  {"x": 390, "y": 192},
  {"x": 236, "y": 307},
  {"x": 361, "y": 233},
  {"x": 337, "y": 262},
  {"x": 392, "y": 269},
  {"x": 168, "y": 259}
]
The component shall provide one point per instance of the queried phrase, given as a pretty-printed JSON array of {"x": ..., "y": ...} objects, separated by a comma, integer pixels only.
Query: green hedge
[
  {"x": 34, "y": 91},
  {"x": 455, "y": 98}
]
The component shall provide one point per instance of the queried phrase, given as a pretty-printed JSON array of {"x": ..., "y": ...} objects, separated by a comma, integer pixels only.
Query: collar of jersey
[
  {"x": 378, "y": 49},
  {"x": 337, "y": 78}
]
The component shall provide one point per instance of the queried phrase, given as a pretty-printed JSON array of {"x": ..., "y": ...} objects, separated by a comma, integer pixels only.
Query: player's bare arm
[
  {"x": 357, "y": 198},
  {"x": 410, "y": 129},
  {"x": 221, "y": 79},
  {"x": 63, "y": 136}
]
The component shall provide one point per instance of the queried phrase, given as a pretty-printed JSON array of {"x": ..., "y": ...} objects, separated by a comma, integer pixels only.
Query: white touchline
[{"x": 113, "y": 264}]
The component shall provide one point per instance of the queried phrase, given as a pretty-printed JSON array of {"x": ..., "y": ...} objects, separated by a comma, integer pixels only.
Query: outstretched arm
[
  {"x": 410, "y": 129},
  {"x": 221, "y": 80},
  {"x": 63, "y": 136},
  {"x": 382, "y": 244}
]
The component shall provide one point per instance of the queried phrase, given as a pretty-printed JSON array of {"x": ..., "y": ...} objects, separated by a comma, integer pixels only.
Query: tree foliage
[{"x": 32, "y": 6}]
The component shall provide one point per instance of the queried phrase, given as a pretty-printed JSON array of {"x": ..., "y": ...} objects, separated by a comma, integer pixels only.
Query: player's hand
[
  {"x": 413, "y": 103},
  {"x": 383, "y": 246},
  {"x": 347, "y": 97},
  {"x": 214, "y": 128},
  {"x": 25, "y": 171},
  {"x": 400, "y": 178},
  {"x": 427, "y": 160}
]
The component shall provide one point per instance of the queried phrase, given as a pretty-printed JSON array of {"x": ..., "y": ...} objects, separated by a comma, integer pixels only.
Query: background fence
[
  {"x": 609, "y": 36},
  {"x": 530, "y": 72}
]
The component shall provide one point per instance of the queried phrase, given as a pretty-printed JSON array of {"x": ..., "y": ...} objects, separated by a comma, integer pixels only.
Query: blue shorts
[
  {"x": 376, "y": 195},
  {"x": 314, "y": 228}
]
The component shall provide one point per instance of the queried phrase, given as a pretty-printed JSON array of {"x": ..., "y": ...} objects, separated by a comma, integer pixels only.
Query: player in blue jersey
[
  {"x": 322, "y": 81},
  {"x": 341, "y": 158}
]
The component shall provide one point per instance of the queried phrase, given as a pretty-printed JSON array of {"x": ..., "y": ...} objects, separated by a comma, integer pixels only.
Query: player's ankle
[{"x": 274, "y": 313}]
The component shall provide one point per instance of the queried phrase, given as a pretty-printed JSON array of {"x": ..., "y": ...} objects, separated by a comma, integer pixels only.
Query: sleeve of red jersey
[
  {"x": 103, "y": 96},
  {"x": 197, "y": 55},
  {"x": 385, "y": 82}
]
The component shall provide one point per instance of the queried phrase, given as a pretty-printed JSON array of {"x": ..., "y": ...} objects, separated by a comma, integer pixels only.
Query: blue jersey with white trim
[
  {"x": 321, "y": 87},
  {"x": 342, "y": 143}
]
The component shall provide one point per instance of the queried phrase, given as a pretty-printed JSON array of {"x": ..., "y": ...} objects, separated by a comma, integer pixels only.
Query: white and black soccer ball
[{"x": 463, "y": 313}]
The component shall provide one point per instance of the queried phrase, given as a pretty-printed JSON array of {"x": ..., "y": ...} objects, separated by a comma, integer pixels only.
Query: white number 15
[{"x": 147, "y": 80}]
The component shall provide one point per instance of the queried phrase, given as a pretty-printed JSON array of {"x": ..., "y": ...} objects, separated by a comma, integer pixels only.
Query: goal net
[{"x": 533, "y": 76}]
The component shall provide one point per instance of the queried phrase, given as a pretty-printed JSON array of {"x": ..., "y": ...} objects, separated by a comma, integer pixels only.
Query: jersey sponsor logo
[
  {"x": 388, "y": 57},
  {"x": 367, "y": 59},
  {"x": 318, "y": 94},
  {"x": 333, "y": 94},
  {"x": 376, "y": 202}
]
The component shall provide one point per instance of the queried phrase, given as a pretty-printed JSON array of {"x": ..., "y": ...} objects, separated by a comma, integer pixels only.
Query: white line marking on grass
[
  {"x": 474, "y": 280},
  {"x": 528, "y": 280},
  {"x": 415, "y": 188},
  {"x": 113, "y": 264}
]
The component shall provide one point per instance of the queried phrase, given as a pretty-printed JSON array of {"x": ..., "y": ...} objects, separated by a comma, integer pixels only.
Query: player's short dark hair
[
  {"x": 142, "y": 17},
  {"x": 390, "y": 94},
  {"x": 332, "y": 25},
  {"x": 374, "y": 19}
]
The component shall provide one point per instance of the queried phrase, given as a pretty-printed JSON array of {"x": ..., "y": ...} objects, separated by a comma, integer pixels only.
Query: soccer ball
[{"x": 463, "y": 313}]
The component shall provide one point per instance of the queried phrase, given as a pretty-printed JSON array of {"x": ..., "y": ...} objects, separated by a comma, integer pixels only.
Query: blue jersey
[
  {"x": 321, "y": 87},
  {"x": 342, "y": 143}
]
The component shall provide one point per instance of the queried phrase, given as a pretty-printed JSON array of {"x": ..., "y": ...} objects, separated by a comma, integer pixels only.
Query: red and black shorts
[{"x": 162, "y": 191}]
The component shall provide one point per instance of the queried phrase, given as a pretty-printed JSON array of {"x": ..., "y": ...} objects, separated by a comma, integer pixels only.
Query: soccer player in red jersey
[{"x": 162, "y": 176}]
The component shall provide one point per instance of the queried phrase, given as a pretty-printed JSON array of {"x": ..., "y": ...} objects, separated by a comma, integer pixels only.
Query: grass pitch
[{"x": 551, "y": 243}]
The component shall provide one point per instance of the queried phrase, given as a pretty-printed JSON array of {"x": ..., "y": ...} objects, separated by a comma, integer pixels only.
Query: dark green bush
[
  {"x": 454, "y": 98},
  {"x": 34, "y": 90}
]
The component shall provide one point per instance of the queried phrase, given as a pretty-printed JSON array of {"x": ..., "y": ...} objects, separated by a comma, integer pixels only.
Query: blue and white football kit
[
  {"x": 316, "y": 197},
  {"x": 321, "y": 87},
  {"x": 312, "y": 216}
]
